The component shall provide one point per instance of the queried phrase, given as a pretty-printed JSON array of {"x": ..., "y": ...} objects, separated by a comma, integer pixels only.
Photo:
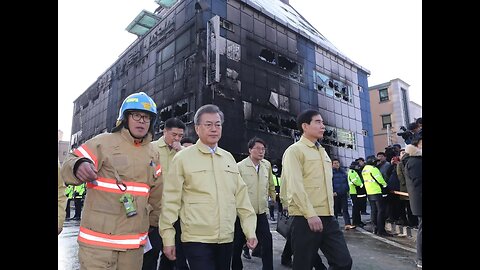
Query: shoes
[
  {"x": 401, "y": 222},
  {"x": 348, "y": 227},
  {"x": 286, "y": 263},
  {"x": 246, "y": 255},
  {"x": 419, "y": 264},
  {"x": 272, "y": 218},
  {"x": 364, "y": 213},
  {"x": 75, "y": 218}
]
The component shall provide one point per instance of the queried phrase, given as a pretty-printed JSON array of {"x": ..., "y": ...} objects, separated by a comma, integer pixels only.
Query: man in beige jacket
[
  {"x": 204, "y": 187},
  {"x": 257, "y": 174},
  {"x": 307, "y": 171}
]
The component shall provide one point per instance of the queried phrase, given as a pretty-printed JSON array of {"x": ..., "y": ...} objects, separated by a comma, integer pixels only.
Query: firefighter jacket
[
  {"x": 120, "y": 162},
  {"x": 307, "y": 171},
  {"x": 368, "y": 173},
  {"x": 206, "y": 190},
  {"x": 62, "y": 200},
  {"x": 166, "y": 154},
  {"x": 354, "y": 181},
  {"x": 260, "y": 185}
]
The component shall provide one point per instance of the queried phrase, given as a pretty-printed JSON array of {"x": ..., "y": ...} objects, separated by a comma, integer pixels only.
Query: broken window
[
  {"x": 166, "y": 113},
  {"x": 286, "y": 64},
  {"x": 267, "y": 56},
  {"x": 226, "y": 24}
]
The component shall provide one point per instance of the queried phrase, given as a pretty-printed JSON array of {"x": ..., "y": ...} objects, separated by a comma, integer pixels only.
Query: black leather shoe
[{"x": 246, "y": 255}]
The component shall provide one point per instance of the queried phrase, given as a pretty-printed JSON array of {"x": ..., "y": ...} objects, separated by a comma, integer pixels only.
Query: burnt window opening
[
  {"x": 181, "y": 110},
  {"x": 267, "y": 56},
  {"x": 226, "y": 25},
  {"x": 271, "y": 123},
  {"x": 166, "y": 113},
  {"x": 287, "y": 64}
]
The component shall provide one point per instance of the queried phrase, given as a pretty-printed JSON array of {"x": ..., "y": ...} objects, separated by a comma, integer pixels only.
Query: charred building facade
[{"x": 260, "y": 61}]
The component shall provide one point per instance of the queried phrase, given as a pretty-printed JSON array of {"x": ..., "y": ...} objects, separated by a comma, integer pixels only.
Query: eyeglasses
[
  {"x": 210, "y": 125},
  {"x": 137, "y": 117},
  {"x": 260, "y": 149}
]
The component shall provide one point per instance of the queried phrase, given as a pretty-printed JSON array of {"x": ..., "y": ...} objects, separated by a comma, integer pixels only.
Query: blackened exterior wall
[{"x": 277, "y": 73}]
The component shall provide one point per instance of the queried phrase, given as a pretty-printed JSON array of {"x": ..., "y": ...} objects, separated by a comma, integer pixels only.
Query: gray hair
[{"x": 208, "y": 108}]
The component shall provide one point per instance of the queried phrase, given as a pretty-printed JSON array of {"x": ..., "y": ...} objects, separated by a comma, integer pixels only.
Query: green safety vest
[
  {"x": 276, "y": 180},
  {"x": 354, "y": 181}
]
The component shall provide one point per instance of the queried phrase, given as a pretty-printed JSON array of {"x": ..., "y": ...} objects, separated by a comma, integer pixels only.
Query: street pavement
[{"x": 368, "y": 251}]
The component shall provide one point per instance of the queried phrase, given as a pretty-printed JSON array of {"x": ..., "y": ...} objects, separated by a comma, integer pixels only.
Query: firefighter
[{"x": 123, "y": 176}]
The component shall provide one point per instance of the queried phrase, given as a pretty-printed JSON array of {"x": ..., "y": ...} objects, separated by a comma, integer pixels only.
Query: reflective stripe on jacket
[{"x": 130, "y": 241}]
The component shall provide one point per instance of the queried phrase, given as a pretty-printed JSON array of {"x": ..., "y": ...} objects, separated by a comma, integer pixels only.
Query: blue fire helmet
[{"x": 138, "y": 102}]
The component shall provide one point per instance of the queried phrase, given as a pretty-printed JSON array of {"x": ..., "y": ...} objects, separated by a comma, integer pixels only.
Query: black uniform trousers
[
  {"x": 202, "y": 256},
  {"x": 264, "y": 240},
  {"x": 331, "y": 242}
]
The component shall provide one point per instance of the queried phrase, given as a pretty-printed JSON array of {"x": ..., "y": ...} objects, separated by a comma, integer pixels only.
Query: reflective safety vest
[
  {"x": 354, "y": 181},
  {"x": 128, "y": 241},
  {"x": 69, "y": 192},
  {"x": 371, "y": 185},
  {"x": 276, "y": 180},
  {"x": 79, "y": 191}
]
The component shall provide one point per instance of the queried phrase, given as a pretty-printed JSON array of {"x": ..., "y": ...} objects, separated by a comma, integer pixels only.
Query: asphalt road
[{"x": 369, "y": 252}]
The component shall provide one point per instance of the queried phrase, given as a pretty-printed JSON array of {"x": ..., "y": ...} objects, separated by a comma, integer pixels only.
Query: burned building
[{"x": 260, "y": 61}]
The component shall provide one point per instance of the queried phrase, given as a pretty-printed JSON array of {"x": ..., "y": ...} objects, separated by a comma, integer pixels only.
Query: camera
[{"x": 407, "y": 135}]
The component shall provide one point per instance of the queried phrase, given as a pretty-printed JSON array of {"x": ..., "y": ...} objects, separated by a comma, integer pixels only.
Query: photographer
[{"x": 407, "y": 134}]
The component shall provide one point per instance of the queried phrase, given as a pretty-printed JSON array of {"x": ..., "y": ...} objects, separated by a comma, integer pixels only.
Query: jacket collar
[
  {"x": 125, "y": 133},
  {"x": 206, "y": 149}
]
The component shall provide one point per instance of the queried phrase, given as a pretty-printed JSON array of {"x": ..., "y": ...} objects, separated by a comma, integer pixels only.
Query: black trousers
[
  {"x": 287, "y": 255},
  {"x": 356, "y": 217},
  {"x": 202, "y": 256},
  {"x": 378, "y": 213},
  {"x": 78, "y": 207},
  {"x": 331, "y": 242},
  {"x": 150, "y": 258},
  {"x": 264, "y": 240}
]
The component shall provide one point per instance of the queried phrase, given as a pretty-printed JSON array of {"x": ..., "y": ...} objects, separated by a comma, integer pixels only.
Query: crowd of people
[{"x": 195, "y": 203}]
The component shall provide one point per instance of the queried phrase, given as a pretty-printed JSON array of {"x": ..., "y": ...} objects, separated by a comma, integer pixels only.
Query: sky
[{"x": 383, "y": 36}]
